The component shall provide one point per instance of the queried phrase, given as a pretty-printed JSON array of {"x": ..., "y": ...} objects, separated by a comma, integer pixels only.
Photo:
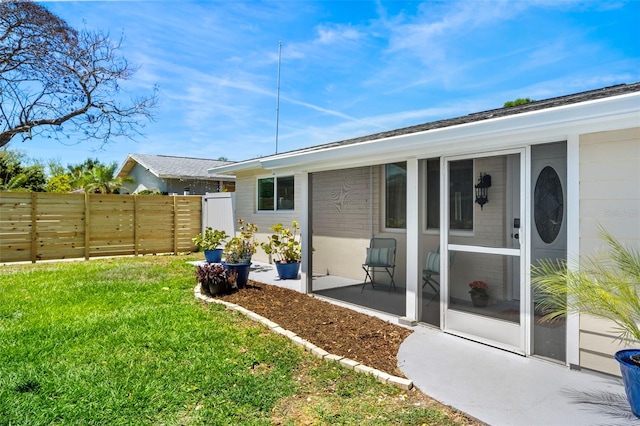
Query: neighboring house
[
  {"x": 174, "y": 175},
  {"x": 559, "y": 169}
]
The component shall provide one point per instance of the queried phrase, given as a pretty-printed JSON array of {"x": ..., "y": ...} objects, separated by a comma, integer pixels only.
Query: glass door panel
[{"x": 489, "y": 278}]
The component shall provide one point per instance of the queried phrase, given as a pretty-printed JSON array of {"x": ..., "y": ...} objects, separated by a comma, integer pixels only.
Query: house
[
  {"x": 174, "y": 175},
  {"x": 500, "y": 189}
]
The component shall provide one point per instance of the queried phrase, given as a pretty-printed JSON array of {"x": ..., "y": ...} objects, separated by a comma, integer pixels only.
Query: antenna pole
[{"x": 278, "y": 94}]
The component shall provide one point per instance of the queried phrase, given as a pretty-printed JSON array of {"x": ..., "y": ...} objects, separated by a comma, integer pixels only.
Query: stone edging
[{"x": 381, "y": 376}]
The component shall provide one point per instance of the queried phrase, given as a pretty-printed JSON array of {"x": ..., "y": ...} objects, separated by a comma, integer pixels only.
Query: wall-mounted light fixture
[{"x": 482, "y": 189}]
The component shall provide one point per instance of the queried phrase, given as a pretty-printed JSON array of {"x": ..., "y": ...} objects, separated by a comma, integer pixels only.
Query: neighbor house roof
[
  {"x": 494, "y": 114},
  {"x": 170, "y": 167}
]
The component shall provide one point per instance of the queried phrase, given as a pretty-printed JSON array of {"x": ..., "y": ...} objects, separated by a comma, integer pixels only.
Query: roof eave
[
  {"x": 625, "y": 107},
  {"x": 211, "y": 177},
  {"x": 254, "y": 164}
]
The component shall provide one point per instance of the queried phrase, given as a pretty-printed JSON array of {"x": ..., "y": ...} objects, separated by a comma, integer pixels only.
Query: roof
[
  {"x": 545, "y": 104},
  {"x": 171, "y": 167}
]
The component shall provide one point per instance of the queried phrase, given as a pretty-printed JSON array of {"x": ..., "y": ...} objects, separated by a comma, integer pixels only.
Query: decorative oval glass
[{"x": 548, "y": 201}]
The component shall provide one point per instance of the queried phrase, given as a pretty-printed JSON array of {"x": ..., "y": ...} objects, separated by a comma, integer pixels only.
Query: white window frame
[
  {"x": 275, "y": 194},
  {"x": 384, "y": 202},
  {"x": 436, "y": 231}
]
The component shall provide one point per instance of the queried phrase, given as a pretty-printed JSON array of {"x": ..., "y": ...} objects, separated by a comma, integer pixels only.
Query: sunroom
[{"x": 487, "y": 195}]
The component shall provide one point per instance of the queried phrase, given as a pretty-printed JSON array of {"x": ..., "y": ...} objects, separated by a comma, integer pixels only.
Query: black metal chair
[
  {"x": 381, "y": 255},
  {"x": 432, "y": 269}
]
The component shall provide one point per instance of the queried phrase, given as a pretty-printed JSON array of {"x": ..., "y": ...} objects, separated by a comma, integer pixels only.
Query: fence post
[
  {"x": 34, "y": 225},
  {"x": 87, "y": 227},
  {"x": 175, "y": 224},
  {"x": 136, "y": 234}
]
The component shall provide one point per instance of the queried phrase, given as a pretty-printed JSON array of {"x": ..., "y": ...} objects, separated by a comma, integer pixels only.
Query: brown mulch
[{"x": 340, "y": 331}]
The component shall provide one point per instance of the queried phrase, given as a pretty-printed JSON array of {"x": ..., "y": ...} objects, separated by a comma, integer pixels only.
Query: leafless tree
[{"x": 58, "y": 81}]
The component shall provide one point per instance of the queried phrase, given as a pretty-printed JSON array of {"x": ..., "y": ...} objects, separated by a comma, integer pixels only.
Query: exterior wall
[
  {"x": 247, "y": 209},
  {"x": 147, "y": 180},
  {"x": 348, "y": 208},
  {"x": 489, "y": 230},
  {"x": 610, "y": 197},
  {"x": 344, "y": 203},
  {"x": 196, "y": 186}
]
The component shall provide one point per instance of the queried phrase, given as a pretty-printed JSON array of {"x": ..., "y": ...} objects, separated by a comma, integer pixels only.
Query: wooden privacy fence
[{"x": 43, "y": 226}]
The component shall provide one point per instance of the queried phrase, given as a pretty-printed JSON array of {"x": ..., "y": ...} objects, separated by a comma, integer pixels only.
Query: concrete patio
[{"x": 495, "y": 386}]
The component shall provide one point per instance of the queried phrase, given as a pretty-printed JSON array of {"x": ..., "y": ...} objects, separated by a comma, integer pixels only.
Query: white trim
[
  {"x": 413, "y": 241},
  {"x": 485, "y": 250},
  {"x": 305, "y": 236},
  {"x": 526, "y": 219},
  {"x": 444, "y": 239},
  {"x": 573, "y": 239},
  {"x": 489, "y": 331},
  {"x": 536, "y": 127}
]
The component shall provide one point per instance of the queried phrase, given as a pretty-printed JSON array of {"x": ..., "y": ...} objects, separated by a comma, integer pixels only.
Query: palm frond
[{"x": 607, "y": 285}]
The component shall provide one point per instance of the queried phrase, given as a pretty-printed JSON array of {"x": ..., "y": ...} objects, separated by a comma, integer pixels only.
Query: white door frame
[{"x": 508, "y": 336}]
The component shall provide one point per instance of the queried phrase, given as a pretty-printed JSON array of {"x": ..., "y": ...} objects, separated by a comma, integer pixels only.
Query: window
[
  {"x": 460, "y": 194},
  {"x": 396, "y": 196},
  {"x": 549, "y": 205},
  {"x": 433, "y": 193},
  {"x": 276, "y": 193}
]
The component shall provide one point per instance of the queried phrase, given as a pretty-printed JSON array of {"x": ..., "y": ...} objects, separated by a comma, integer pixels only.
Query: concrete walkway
[
  {"x": 501, "y": 388},
  {"x": 495, "y": 386}
]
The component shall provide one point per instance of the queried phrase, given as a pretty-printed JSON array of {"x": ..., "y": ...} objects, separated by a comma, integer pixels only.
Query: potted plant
[
  {"x": 211, "y": 243},
  {"x": 479, "y": 293},
  {"x": 286, "y": 250},
  {"x": 606, "y": 286},
  {"x": 238, "y": 252},
  {"x": 212, "y": 278}
]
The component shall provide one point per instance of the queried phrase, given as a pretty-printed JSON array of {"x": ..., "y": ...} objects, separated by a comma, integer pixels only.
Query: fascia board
[
  {"x": 146, "y": 167},
  {"x": 237, "y": 167},
  {"x": 126, "y": 166},
  {"x": 208, "y": 177},
  {"x": 598, "y": 115}
]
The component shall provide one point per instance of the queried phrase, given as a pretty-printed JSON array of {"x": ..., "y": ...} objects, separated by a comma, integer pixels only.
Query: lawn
[{"x": 123, "y": 341}]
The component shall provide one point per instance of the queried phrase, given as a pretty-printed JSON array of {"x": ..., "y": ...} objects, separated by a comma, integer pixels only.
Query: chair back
[
  {"x": 381, "y": 252},
  {"x": 433, "y": 261}
]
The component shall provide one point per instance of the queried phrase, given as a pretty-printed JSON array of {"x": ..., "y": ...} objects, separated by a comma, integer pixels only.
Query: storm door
[{"x": 485, "y": 249}]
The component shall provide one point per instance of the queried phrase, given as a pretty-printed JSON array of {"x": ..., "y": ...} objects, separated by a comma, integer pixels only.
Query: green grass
[{"x": 123, "y": 341}]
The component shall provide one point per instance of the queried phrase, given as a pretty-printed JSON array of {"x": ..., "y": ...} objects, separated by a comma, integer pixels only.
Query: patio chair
[
  {"x": 432, "y": 269},
  {"x": 381, "y": 255}
]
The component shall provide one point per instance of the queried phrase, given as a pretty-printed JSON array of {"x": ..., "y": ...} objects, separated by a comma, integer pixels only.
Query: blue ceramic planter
[
  {"x": 631, "y": 377},
  {"x": 242, "y": 269},
  {"x": 213, "y": 256},
  {"x": 288, "y": 271}
]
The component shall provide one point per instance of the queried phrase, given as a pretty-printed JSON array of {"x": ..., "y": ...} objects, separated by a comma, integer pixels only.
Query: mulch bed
[{"x": 340, "y": 331}]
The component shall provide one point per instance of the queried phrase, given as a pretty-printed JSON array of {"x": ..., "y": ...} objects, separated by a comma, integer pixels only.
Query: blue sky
[{"x": 348, "y": 68}]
